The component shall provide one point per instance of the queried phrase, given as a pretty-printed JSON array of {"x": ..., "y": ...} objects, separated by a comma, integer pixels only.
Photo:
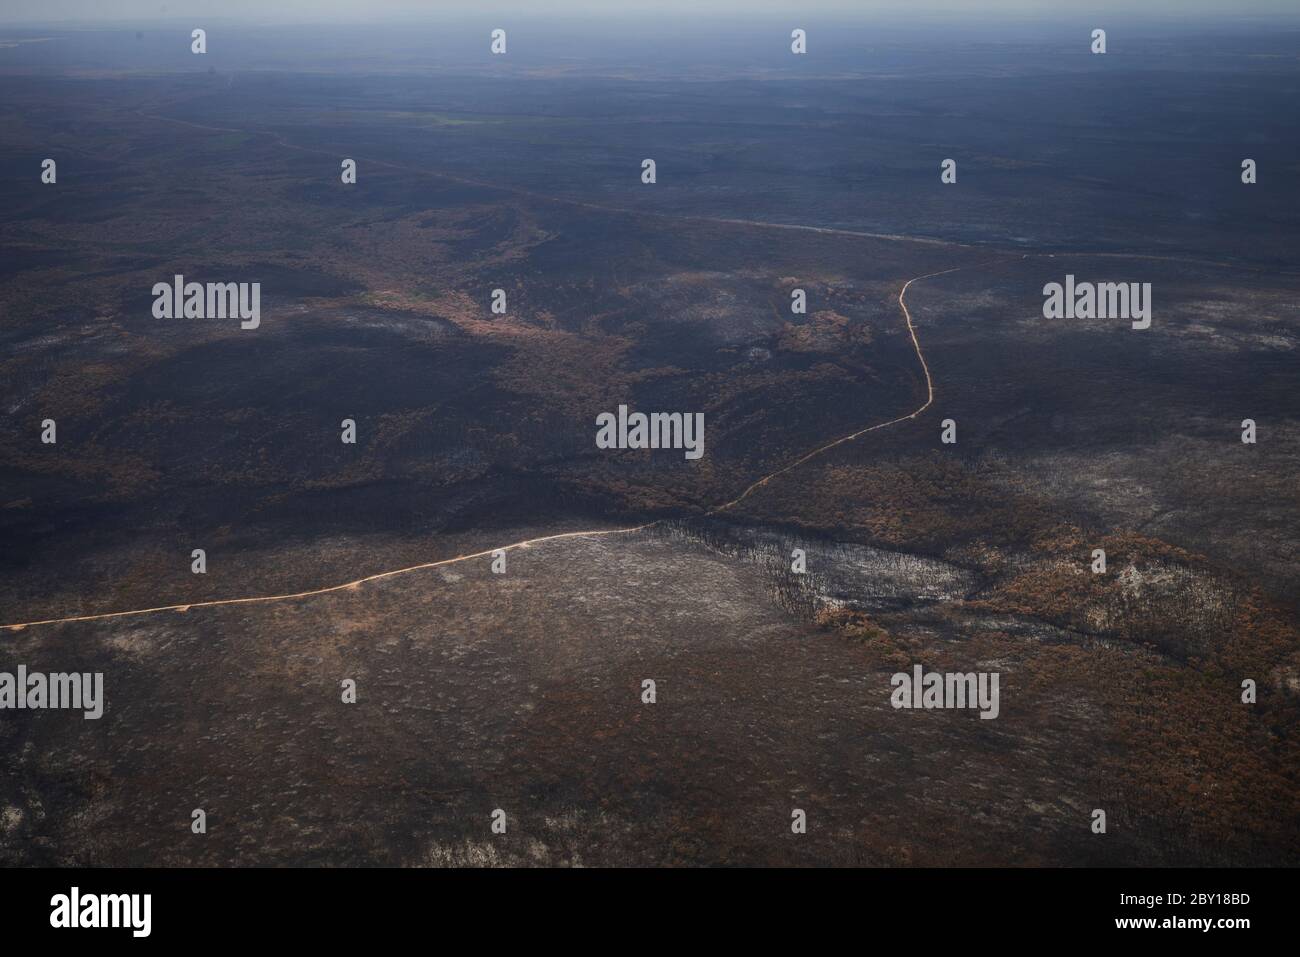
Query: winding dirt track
[
  {"x": 526, "y": 543},
  {"x": 594, "y": 533}
]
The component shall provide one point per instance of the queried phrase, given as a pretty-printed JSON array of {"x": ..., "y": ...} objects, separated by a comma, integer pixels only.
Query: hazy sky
[{"x": 364, "y": 10}]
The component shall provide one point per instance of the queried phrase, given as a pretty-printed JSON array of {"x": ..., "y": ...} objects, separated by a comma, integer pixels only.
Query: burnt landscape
[{"x": 1120, "y": 690}]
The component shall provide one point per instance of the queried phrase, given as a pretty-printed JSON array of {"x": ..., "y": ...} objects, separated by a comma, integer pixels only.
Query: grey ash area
[{"x": 523, "y": 691}]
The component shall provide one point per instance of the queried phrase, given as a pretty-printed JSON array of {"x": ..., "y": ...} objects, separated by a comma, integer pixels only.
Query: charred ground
[{"x": 483, "y": 691}]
